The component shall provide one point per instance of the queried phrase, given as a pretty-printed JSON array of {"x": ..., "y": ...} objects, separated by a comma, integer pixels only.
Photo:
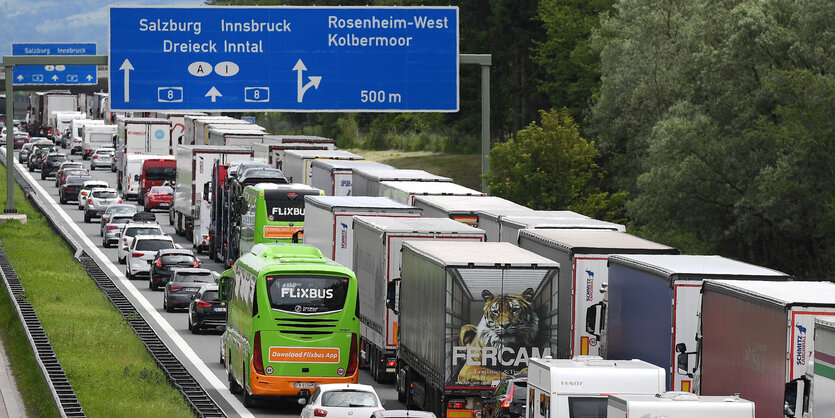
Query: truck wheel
[
  {"x": 171, "y": 217},
  {"x": 379, "y": 373}
]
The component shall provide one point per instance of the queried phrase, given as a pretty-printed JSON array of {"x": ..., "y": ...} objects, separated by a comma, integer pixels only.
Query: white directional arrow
[
  {"x": 89, "y": 77},
  {"x": 301, "y": 89},
  {"x": 214, "y": 94},
  {"x": 20, "y": 78},
  {"x": 55, "y": 78},
  {"x": 126, "y": 67}
]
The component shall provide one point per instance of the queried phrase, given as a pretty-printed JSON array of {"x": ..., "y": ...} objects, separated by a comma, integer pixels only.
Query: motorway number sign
[
  {"x": 54, "y": 74},
  {"x": 304, "y": 59}
]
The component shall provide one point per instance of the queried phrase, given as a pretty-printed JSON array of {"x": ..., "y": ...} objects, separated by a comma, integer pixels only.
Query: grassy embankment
[
  {"x": 107, "y": 365},
  {"x": 464, "y": 169}
]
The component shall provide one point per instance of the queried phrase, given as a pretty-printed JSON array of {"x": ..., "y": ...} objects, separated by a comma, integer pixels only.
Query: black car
[
  {"x": 69, "y": 190},
  {"x": 165, "y": 262},
  {"x": 184, "y": 283},
  {"x": 36, "y": 157},
  {"x": 508, "y": 400},
  {"x": 205, "y": 310},
  {"x": 51, "y": 163}
]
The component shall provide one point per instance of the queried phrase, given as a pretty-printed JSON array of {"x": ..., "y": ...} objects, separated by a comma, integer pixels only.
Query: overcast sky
[{"x": 62, "y": 21}]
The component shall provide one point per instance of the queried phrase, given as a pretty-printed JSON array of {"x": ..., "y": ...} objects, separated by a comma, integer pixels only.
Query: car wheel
[
  {"x": 234, "y": 387},
  {"x": 87, "y": 217},
  {"x": 165, "y": 304},
  {"x": 105, "y": 244},
  {"x": 63, "y": 201},
  {"x": 127, "y": 273},
  {"x": 171, "y": 217},
  {"x": 43, "y": 175},
  {"x": 31, "y": 168},
  {"x": 122, "y": 260}
]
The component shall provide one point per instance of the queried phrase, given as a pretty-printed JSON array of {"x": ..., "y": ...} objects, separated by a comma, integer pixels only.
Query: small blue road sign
[
  {"x": 297, "y": 59},
  {"x": 55, "y": 74}
]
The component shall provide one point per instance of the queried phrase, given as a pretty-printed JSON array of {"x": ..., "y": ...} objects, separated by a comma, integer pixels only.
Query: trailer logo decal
[
  {"x": 800, "y": 355},
  {"x": 589, "y": 285},
  {"x": 343, "y": 243},
  {"x": 755, "y": 358}
]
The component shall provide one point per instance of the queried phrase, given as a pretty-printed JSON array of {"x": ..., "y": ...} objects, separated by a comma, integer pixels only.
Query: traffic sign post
[
  {"x": 303, "y": 59},
  {"x": 54, "y": 74}
]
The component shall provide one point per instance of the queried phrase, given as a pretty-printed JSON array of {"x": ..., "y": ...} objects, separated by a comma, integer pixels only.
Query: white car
[
  {"x": 85, "y": 190},
  {"x": 142, "y": 251},
  {"x": 129, "y": 232},
  {"x": 342, "y": 400}
]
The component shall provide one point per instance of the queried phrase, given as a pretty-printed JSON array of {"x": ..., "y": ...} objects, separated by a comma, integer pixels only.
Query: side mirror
[
  {"x": 796, "y": 397},
  {"x": 136, "y": 177},
  {"x": 393, "y": 296},
  {"x": 224, "y": 285},
  {"x": 683, "y": 360},
  {"x": 596, "y": 319},
  {"x": 298, "y": 235}
]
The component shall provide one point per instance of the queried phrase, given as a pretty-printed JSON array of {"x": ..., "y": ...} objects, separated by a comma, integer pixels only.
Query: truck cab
[{"x": 155, "y": 172}]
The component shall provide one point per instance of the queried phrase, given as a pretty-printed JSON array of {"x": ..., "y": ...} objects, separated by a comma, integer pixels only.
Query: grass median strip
[{"x": 106, "y": 363}]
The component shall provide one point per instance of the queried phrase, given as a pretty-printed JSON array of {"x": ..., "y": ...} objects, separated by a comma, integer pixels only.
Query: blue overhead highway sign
[
  {"x": 54, "y": 74},
  {"x": 366, "y": 59}
]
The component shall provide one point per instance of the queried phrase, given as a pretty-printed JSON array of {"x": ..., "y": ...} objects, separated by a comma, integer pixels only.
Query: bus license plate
[{"x": 304, "y": 385}]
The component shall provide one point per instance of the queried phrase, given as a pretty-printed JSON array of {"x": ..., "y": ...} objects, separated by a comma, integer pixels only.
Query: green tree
[{"x": 550, "y": 166}]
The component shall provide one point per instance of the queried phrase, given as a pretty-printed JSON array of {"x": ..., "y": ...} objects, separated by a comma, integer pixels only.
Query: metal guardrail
[
  {"x": 59, "y": 386},
  {"x": 178, "y": 376}
]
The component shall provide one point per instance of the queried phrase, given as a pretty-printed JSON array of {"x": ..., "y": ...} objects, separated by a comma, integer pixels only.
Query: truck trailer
[
  {"x": 329, "y": 224},
  {"x": 94, "y": 137},
  {"x": 583, "y": 256},
  {"x": 579, "y": 387},
  {"x": 296, "y": 164},
  {"x": 679, "y": 405},
  {"x": 512, "y": 225},
  {"x": 470, "y": 314},
  {"x": 366, "y": 182},
  {"x": 491, "y": 220},
  {"x": 406, "y": 191},
  {"x": 140, "y": 136},
  {"x": 377, "y": 244},
  {"x": 191, "y": 210},
  {"x": 653, "y": 311},
  {"x": 463, "y": 208},
  {"x": 335, "y": 176},
  {"x": 756, "y": 336}
]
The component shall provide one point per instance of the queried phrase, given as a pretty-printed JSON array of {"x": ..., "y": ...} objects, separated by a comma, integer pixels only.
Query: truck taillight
[
  {"x": 320, "y": 413},
  {"x": 455, "y": 405},
  {"x": 352, "y": 358},
  {"x": 257, "y": 361}
]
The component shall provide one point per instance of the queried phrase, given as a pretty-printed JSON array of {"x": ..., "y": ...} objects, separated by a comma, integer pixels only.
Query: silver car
[
  {"x": 127, "y": 209},
  {"x": 113, "y": 230},
  {"x": 102, "y": 157},
  {"x": 85, "y": 189},
  {"x": 98, "y": 200}
]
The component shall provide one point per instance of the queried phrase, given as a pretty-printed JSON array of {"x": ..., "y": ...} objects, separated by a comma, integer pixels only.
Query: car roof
[
  {"x": 142, "y": 225},
  {"x": 154, "y": 237},
  {"x": 176, "y": 251},
  {"x": 73, "y": 179},
  {"x": 402, "y": 413},
  {"x": 96, "y": 182},
  {"x": 341, "y": 386},
  {"x": 104, "y": 149},
  {"x": 192, "y": 270}
]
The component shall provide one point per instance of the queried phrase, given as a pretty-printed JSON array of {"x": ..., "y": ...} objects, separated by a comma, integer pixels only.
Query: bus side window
[{"x": 255, "y": 301}]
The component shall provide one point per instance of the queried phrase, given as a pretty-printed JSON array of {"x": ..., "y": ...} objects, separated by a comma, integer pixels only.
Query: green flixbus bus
[
  {"x": 270, "y": 213},
  {"x": 293, "y": 322}
]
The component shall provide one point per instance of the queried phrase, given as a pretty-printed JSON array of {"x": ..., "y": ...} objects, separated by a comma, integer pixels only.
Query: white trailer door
[
  {"x": 589, "y": 272},
  {"x": 687, "y": 302},
  {"x": 801, "y": 343}
]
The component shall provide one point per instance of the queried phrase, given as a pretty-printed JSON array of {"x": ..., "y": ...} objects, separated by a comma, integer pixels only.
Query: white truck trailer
[
  {"x": 75, "y": 140},
  {"x": 194, "y": 132},
  {"x": 756, "y": 336},
  {"x": 405, "y": 191},
  {"x": 583, "y": 255},
  {"x": 191, "y": 209},
  {"x": 491, "y": 220},
  {"x": 377, "y": 244},
  {"x": 653, "y": 311},
  {"x": 512, "y": 225},
  {"x": 463, "y": 208},
  {"x": 60, "y": 125},
  {"x": 140, "y": 136},
  {"x": 273, "y": 152},
  {"x": 679, "y": 405},
  {"x": 234, "y": 135},
  {"x": 580, "y": 387},
  {"x": 470, "y": 313},
  {"x": 329, "y": 221},
  {"x": 335, "y": 176},
  {"x": 178, "y": 124},
  {"x": 296, "y": 165},
  {"x": 366, "y": 182}
]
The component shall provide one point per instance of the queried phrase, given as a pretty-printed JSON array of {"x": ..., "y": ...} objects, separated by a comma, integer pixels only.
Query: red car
[
  {"x": 20, "y": 139},
  {"x": 159, "y": 197}
]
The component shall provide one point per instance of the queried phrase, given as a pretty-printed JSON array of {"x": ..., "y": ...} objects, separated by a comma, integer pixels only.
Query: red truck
[{"x": 156, "y": 172}]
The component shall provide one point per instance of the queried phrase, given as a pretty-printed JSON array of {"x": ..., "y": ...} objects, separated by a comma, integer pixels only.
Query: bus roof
[{"x": 276, "y": 257}]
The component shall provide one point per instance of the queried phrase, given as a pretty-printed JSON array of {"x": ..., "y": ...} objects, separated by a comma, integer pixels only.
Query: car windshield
[
  {"x": 132, "y": 232},
  {"x": 105, "y": 194},
  {"x": 154, "y": 244},
  {"x": 349, "y": 398},
  {"x": 194, "y": 277},
  {"x": 177, "y": 258},
  {"x": 162, "y": 189}
]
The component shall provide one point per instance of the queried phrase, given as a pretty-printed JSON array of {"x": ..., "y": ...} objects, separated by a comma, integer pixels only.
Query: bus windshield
[{"x": 307, "y": 294}]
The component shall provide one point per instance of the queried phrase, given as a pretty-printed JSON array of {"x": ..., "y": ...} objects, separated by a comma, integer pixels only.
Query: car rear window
[
  {"x": 177, "y": 258},
  {"x": 104, "y": 152},
  {"x": 105, "y": 194},
  {"x": 210, "y": 296},
  {"x": 121, "y": 209},
  {"x": 154, "y": 245},
  {"x": 195, "y": 278},
  {"x": 132, "y": 232},
  {"x": 349, "y": 398},
  {"x": 119, "y": 220},
  {"x": 162, "y": 189}
]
